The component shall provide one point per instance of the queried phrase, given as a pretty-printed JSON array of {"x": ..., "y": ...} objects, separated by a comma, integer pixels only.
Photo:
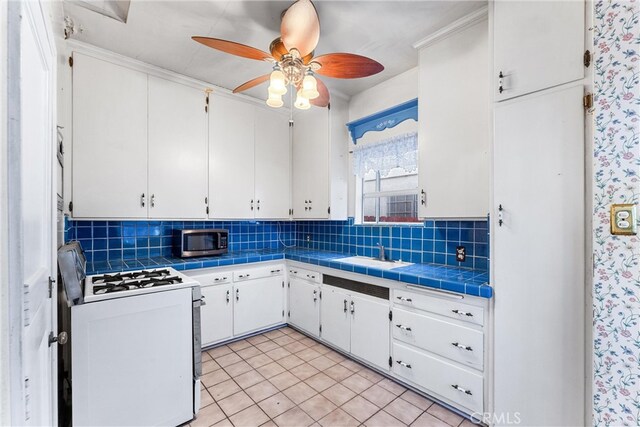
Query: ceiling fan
[{"x": 294, "y": 64}]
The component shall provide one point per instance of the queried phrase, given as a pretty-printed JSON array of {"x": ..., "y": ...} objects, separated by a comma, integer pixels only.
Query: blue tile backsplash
[{"x": 431, "y": 242}]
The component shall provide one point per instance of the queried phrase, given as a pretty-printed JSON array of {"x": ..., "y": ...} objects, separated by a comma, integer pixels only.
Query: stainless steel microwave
[{"x": 200, "y": 242}]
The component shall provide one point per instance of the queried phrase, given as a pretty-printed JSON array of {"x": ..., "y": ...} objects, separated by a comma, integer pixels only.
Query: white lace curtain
[{"x": 397, "y": 152}]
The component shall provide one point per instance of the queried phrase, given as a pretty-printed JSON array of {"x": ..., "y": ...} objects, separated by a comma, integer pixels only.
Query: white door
[
  {"x": 370, "y": 330},
  {"x": 537, "y": 45},
  {"x": 177, "y": 151},
  {"x": 109, "y": 140},
  {"x": 304, "y": 305},
  {"x": 259, "y": 303},
  {"x": 335, "y": 317},
  {"x": 216, "y": 314},
  {"x": 538, "y": 252},
  {"x": 311, "y": 164},
  {"x": 231, "y": 159},
  {"x": 32, "y": 216},
  {"x": 272, "y": 164}
]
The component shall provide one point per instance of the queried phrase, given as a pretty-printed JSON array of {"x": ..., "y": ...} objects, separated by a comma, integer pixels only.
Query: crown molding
[{"x": 454, "y": 28}]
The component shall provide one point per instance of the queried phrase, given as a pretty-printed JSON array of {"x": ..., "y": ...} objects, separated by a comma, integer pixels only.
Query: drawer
[
  {"x": 438, "y": 376},
  {"x": 450, "y": 340},
  {"x": 258, "y": 272},
  {"x": 213, "y": 278},
  {"x": 302, "y": 273},
  {"x": 443, "y": 306}
]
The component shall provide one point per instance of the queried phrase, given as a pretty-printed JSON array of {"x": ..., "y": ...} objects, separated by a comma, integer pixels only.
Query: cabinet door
[
  {"x": 335, "y": 317},
  {"x": 177, "y": 150},
  {"x": 370, "y": 330},
  {"x": 539, "y": 183},
  {"x": 311, "y": 164},
  {"x": 231, "y": 159},
  {"x": 304, "y": 305},
  {"x": 537, "y": 45},
  {"x": 109, "y": 140},
  {"x": 258, "y": 304},
  {"x": 216, "y": 314},
  {"x": 272, "y": 165}
]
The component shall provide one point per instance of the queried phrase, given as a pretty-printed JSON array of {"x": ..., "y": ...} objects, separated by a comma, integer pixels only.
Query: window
[{"x": 387, "y": 176}]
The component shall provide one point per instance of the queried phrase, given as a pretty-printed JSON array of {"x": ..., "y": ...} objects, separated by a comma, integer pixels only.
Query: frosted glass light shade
[
  {"x": 278, "y": 84},
  {"x": 275, "y": 99},
  {"x": 310, "y": 87},
  {"x": 302, "y": 103}
]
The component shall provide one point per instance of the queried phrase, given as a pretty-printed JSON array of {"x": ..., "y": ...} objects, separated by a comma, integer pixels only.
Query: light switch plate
[{"x": 623, "y": 219}]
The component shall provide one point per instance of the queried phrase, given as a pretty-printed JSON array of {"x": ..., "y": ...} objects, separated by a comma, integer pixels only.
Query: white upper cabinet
[
  {"x": 311, "y": 164},
  {"x": 231, "y": 158},
  {"x": 109, "y": 170},
  {"x": 272, "y": 164},
  {"x": 537, "y": 45},
  {"x": 177, "y": 150},
  {"x": 454, "y": 136}
]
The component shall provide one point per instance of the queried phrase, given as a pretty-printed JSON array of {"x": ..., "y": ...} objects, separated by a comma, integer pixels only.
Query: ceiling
[{"x": 159, "y": 33}]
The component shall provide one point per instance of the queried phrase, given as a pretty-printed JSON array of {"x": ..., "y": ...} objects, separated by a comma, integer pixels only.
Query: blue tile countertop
[{"x": 454, "y": 279}]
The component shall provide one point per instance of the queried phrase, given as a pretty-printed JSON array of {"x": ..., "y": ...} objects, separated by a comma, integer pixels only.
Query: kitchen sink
[{"x": 374, "y": 262}]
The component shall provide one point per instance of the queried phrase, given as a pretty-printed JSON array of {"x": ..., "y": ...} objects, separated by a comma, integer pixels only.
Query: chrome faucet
[{"x": 381, "y": 256}]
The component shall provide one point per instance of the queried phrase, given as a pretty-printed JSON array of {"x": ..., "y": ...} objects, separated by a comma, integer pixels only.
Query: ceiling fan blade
[
  {"x": 233, "y": 48},
  {"x": 323, "y": 99},
  {"x": 252, "y": 83},
  {"x": 300, "y": 27},
  {"x": 347, "y": 65}
]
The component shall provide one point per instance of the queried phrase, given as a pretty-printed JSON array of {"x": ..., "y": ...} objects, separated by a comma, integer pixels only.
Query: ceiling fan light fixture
[
  {"x": 302, "y": 103},
  {"x": 278, "y": 84},
  {"x": 275, "y": 99},
  {"x": 310, "y": 87}
]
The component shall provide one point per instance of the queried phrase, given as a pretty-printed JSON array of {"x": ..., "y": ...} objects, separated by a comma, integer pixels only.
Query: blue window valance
[{"x": 385, "y": 119}]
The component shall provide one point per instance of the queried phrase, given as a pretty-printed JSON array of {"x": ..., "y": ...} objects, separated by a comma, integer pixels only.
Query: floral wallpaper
[{"x": 616, "y": 281}]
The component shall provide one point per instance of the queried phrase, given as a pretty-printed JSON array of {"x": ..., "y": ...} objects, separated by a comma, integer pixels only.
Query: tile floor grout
[{"x": 222, "y": 411}]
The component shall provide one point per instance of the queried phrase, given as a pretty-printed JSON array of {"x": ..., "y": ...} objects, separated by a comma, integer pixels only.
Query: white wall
[{"x": 396, "y": 90}]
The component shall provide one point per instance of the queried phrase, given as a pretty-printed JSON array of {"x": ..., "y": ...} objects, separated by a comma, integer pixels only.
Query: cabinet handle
[
  {"x": 403, "y": 364},
  {"x": 315, "y": 296},
  {"x": 237, "y": 294},
  {"x": 500, "y": 82},
  {"x": 345, "y": 306},
  {"x": 464, "y": 347},
  {"x": 310, "y": 202},
  {"x": 306, "y": 201},
  {"x": 142, "y": 200},
  {"x": 423, "y": 198},
  {"x": 404, "y": 328},
  {"x": 228, "y": 296},
  {"x": 500, "y": 216},
  {"x": 258, "y": 205},
  {"x": 353, "y": 308},
  {"x": 153, "y": 200},
  {"x": 251, "y": 204},
  {"x": 460, "y": 389},
  {"x": 462, "y": 313},
  {"x": 405, "y": 299}
]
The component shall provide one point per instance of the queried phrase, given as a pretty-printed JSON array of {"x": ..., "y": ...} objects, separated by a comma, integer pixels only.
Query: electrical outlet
[
  {"x": 461, "y": 253},
  {"x": 623, "y": 219}
]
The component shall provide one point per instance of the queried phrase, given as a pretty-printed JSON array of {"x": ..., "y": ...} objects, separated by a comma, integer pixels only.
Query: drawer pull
[
  {"x": 345, "y": 306},
  {"x": 242, "y": 276},
  {"x": 461, "y": 390},
  {"x": 404, "y": 299},
  {"x": 462, "y": 313},
  {"x": 216, "y": 279},
  {"x": 227, "y": 297},
  {"x": 310, "y": 277},
  {"x": 404, "y": 328},
  {"x": 403, "y": 364},
  {"x": 464, "y": 347},
  {"x": 275, "y": 271}
]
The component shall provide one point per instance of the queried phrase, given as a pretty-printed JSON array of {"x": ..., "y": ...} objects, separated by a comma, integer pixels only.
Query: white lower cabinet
[
  {"x": 216, "y": 316},
  {"x": 356, "y": 323},
  {"x": 304, "y": 305},
  {"x": 259, "y": 303}
]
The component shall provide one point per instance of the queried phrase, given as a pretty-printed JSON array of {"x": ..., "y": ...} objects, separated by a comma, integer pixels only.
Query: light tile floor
[{"x": 284, "y": 378}]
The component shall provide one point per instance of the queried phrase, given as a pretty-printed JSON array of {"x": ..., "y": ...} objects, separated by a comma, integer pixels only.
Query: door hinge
[
  {"x": 587, "y": 101},
  {"x": 390, "y": 361},
  {"x": 329, "y": 210},
  {"x": 290, "y": 123},
  {"x": 206, "y": 108},
  {"x": 390, "y": 315},
  {"x": 71, "y": 61},
  {"x": 288, "y": 284},
  {"x": 207, "y": 99},
  {"x": 207, "y": 210},
  {"x": 282, "y": 313},
  {"x": 320, "y": 294},
  {"x": 290, "y": 211},
  {"x": 320, "y": 328},
  {"x": 51, "y": 282},
  {"x": 70, "y": 206},
  {"x": 289, "y": 313},
  {"x": 283, "y": 284},
  {"x": 586, "y": 59}
]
